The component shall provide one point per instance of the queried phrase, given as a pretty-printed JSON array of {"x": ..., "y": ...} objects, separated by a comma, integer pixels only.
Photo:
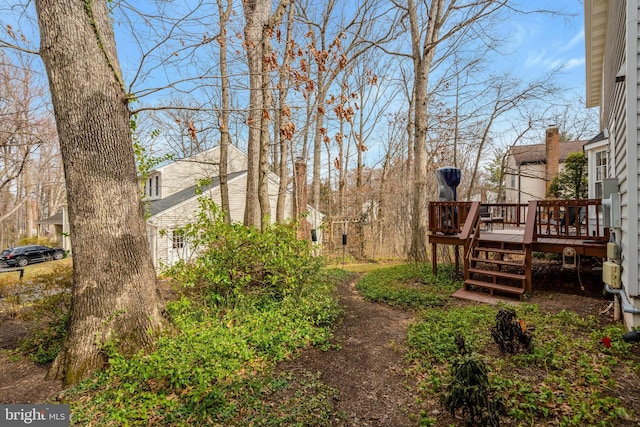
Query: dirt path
[
  {"x": 21, "y": 380},
  {"x": 367, "y": 368}
]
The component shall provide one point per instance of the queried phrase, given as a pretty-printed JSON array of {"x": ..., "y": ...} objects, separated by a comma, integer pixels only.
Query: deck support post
[
  {"x": 434, "y": 261},
  {"x": 457, "y": 258}
]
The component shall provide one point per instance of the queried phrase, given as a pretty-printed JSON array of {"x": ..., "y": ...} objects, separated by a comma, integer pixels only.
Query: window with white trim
[
  {"x": 601, "y": 171},
  {"x": 152, "y": 187},
  {"x": 178, "y": 241}
]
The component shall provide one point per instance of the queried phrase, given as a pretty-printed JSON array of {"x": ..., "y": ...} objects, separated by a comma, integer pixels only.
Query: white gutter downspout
[
  {"x": 633, "y": 139},
  {"x": 627, "y": 307}
]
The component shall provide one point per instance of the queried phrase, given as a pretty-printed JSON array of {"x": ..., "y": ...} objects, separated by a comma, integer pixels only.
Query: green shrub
[
  {"x": 469, "y": 389},
  {"x": 232, "y": 259}
]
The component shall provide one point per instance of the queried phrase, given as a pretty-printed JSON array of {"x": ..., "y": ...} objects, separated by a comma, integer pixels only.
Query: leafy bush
[
  {"x": 216, "y": 368},
  {"x": 232, "y": 259},
  {"x": 36, "y": 241}
]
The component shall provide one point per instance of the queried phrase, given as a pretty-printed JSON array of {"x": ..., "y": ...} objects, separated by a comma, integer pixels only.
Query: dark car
[{"x": 23, "y": 255}]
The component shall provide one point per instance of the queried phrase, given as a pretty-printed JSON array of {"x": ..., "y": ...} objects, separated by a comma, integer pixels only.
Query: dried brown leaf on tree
[
  {"x": 192, "y": 130},
  {"x": 287, "y": 130},
  {"x": 342, "y": 61}
]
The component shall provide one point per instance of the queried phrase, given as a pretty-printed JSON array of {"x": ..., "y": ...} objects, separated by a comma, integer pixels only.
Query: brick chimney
[
  {"x": 300, "y": 202},
  {"x": 552, "y": 155}
]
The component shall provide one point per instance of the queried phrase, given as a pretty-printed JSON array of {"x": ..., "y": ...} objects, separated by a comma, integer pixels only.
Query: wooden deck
[
  {"x": 515, "y": 236},
  {"x": 549, "y": 226}
]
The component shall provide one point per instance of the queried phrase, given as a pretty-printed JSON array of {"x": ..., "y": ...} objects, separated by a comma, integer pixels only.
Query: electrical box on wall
[
  {"x": 612, "y": 217},
  {"x": 611, "y": 274},
  {"x": 613, "y": 252}
]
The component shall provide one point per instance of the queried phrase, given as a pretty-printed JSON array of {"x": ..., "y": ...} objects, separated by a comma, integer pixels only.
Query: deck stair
[{"x": 501, "y": 269}]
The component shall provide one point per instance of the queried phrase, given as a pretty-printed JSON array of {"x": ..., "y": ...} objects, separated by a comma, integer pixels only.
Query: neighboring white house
[
  {"x": 530, "y": 168},
  {"x": 596, "y": 152},
  {"x": 612, "y": 39},
  {"x": 171, "y": 192}
]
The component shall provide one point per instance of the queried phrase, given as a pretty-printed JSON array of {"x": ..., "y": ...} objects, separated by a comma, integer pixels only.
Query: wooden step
[
  {"x": 483, "y": 297},
  {"x": 498, "y": 262},
  {"x": 494, "y": 287},
  {"x": 499, "y": 251},
  {"x": 503, "y": 274}
]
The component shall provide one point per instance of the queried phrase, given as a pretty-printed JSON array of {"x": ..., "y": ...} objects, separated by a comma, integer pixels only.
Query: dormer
[{"x": 152, "y": 186}]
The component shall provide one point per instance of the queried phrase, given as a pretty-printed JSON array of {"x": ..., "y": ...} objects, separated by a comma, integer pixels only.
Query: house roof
[
  {"x": 536, "y": 153},
  {"x": 595, "y": 25},
  {"x": 160, "y": 205},
  {"x": 53, "y": 219}
]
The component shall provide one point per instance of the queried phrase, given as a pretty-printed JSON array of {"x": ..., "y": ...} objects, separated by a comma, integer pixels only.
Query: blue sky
[{"x": 542, "y": 43}]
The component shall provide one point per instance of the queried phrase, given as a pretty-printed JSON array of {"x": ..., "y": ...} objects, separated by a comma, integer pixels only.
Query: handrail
[
  {"x": 471, "y": 229},
  {"x": 530, "y": 223},
  {"x": 471, "y": 220}
]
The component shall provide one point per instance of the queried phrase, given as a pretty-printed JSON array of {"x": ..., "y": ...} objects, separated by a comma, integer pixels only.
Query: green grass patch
[{"x": 409, "y": 286}]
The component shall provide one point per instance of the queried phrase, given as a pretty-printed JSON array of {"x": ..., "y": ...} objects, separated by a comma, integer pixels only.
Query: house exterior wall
[
  {"x": 160, "y": 226},
  {"x": 530, "y": 182},
  {"x": 620, "y": 115},
  {"x": 184, "y": 173}
]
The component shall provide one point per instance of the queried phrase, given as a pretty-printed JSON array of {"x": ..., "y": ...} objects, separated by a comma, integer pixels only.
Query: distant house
[
  {"x": 596, "y": 152},
  {"x": 531, "y": 168},
  {"x": 171, "y": 191},
  {"x": 56, "y": 227},
  {"x": 612, "y": 41}
]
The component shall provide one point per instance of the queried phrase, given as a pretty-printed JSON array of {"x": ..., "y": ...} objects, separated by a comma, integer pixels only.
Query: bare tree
[
  {"x": 505, "y": 95},
  {"x": 258, "y": 30},
  {"x": 431, "y": 23},
  {"x": 224, "y": 13},
  {"x": 113, "y": 303}
]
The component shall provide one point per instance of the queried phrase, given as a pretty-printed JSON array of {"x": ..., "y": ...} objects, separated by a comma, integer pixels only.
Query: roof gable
[
  {"x": 161, "y": 205},
  {"x": 536, "y": 153}
]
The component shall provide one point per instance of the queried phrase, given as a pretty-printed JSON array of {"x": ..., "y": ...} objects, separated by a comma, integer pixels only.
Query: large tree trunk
[
  {"x": 115, "y": 299},
  {"x": 283, "y": 134},
  {"x": 256, "y": 14},
  {"x": 224, "y": 116},
  {"x": 265, "y": 136},
  {"x": 423, "y": 55}
]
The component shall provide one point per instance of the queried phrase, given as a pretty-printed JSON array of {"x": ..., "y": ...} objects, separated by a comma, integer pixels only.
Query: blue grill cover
[{"x": 448, "y": 181}]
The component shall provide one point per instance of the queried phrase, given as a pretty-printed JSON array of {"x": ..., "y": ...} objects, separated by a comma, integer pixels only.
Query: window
[
  {"x": 152, "y": 187},
  {"x": 601, "y": 171},
  {"x": 178, "y": 239},
  {"x": 513, "y": 181}
]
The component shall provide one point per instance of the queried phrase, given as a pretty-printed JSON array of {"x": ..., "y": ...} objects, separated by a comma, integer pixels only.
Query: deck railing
[
  {"x": 448, "y": 217},
  {"x": 572, "y": 219}
]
